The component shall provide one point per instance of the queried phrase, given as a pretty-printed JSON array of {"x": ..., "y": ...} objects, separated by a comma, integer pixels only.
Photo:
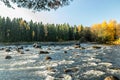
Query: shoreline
[
  {"x": 42, "y": 43},
  {"x": 51, "y": 43}
]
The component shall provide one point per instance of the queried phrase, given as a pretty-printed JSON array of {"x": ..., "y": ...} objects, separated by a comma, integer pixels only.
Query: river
[{"x": 62, "y": 62}]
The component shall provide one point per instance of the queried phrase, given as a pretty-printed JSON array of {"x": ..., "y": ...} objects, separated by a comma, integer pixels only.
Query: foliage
[
  {"x": 106, "y": 32},
  {"x": 17, "y": 30},
  {"x": 37, "y": 5}
]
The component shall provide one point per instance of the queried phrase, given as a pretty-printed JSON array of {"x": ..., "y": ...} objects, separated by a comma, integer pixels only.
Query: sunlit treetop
[{"x": 38, "y": 5}]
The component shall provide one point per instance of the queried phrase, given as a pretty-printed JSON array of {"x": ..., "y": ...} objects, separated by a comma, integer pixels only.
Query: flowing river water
[{"x": 66, "y": 62}]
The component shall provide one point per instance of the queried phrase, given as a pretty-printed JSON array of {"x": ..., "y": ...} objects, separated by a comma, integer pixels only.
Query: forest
[{"x": 19, "y": 30}]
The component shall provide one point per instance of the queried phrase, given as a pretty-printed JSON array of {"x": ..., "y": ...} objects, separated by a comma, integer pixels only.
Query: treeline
[
  {"x": 106, "y": 31},
  {"x": 18, "y": 30}
]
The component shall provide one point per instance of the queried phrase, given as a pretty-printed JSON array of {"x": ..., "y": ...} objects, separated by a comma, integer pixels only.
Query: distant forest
[{"x": 19, "y": 30}]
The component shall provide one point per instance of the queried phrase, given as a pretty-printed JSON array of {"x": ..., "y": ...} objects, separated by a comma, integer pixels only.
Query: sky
[{"x": 85, "y": 12}]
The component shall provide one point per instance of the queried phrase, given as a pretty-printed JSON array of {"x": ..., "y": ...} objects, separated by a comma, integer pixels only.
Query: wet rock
[
  {"x": 96, "y": 47},
  {"x": 68, "y": 70},
  {"x": 35, "y": 45},
  {"x": 111, "y": 78},
  {"x": 7, "y": 50},
  {"x": 115, "y": 68},
  {"x": 8, "y": 57},
  {"x": 1, "y": 48},
  {"x": 48, "y": 58},
  {"x": 67, "y": 77},
  {"x": 18, "y": 50},
  {"x": 49, "y": 48},
  {"x": 77, "y": 46},
  {"x": 65, "y": 51},
  {"x": 44, "y": 52},
  {"x": 20, "y": 47},
  {"x": 82, "y": 48},
  {"x": 27, "y": 49},
  {"x": 49, "y": 68}
]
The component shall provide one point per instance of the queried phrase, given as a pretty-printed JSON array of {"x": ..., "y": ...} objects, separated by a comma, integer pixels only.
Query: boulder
[
  {"x": 67, "y": 77},
  {"x": 7, "y": 50},
  {"x": 35, "y": 45},
  {"x": 82, "y": 47},
  {"x": 65, "y": 51},
  {"x": 111, "y": 78},
  {"x": 18, "y": 50},
  {"x": 8, "y": 57},
  {"x": 44, "y": 52},
  {"x": 49, "y": 48},
  {"x": 68, "y": 70},
  {"x": 27, "y": 49},
  {"x": 20, "y": 47},
  {"x": 48, "y": 58},
  {"x": 96, "y": 47},
  {"x": 1, "y": 48},
  {"x": 77, "y": 46}
]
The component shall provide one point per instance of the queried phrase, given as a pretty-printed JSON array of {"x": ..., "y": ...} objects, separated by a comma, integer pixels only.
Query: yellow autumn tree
[
  {"x": 80, "y": 28},
  {"x": 23, "y": 23},
  {"x": 105, "y": 31},
  {"x": 96, "y": 30},
  {"x": 117, "y": 34},
  {"x": 112, "y": 29}
]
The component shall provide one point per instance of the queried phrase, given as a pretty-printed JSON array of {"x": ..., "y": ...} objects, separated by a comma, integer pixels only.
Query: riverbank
[{"x": 42, "y": 43}]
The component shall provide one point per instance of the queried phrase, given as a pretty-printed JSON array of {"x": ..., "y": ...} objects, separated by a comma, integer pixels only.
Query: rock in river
[
  {"x": 70, "y": 70},
  {"x": 8, "y": 57},
  {"x": 111, "y": 78},
  {"x": 48, "y": 58},
  {"x": 96, "y": 47},
  {"x": 7, "y": 50},
  {"x": 44, "y": 52},
  {"x": 36, "y": 45}
]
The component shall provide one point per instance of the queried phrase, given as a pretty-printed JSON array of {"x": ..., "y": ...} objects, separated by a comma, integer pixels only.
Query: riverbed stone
[
  {"x": 44, "y": 52},
  {"x": 70, "y": 70},
  {"x": 35, "y": 45},
  {"x": 20, "y": 47},
  {"x": 77, "y": 46},
  {"x": 48, "y": 58},
  {"x": 65, "y": 51},
  {"x": 8, "y": 57},
  {"x": 7, "y": 50},
  {"x": 67, "y": 77},
  {"x": 111, "y": 78},
  {"x": 96, "y": 47}
]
